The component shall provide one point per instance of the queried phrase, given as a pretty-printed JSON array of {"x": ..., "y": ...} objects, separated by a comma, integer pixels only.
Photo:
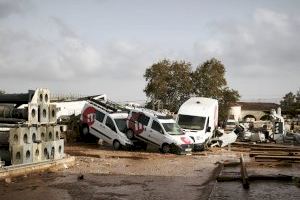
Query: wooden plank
[
  {"x": 244, "y": 174},
  {"x": 275, "y": 149},
  {"x": 274, "y": 153},
  {"x": 278, "y": 157}
]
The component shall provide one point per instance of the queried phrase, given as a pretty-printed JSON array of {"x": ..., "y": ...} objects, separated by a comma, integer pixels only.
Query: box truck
[{"x": 198, "y": 117}]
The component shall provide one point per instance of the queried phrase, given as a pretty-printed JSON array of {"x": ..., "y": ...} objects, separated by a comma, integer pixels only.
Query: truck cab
[{"x": 198, "y": 118}]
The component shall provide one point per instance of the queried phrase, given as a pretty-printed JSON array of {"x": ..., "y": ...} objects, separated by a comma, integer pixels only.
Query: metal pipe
[
  {"x": 12, "y": 120},
  {"x": 18, "y": 99},
  {"x": 9, "y": 111}
]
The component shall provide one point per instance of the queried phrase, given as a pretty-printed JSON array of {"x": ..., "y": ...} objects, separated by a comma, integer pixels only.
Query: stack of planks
[{"x": 275, "y": 153}]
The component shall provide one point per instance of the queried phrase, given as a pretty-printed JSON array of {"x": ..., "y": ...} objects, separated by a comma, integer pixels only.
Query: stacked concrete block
[
  {"x": 33, "y": 113},
  {"x": 21, "y": 154},
  {"x": 20, "y": 136},
  {"x": 52, "y": 113},
  {"x": 39, "y": 140},
  {"x": 42, "y": 131},
  {"x": 44, "y": 113},
  {"x": 50, "y": 134},
  {"x": 35, "y": 135},
  {"x": 37, "y": 152}
]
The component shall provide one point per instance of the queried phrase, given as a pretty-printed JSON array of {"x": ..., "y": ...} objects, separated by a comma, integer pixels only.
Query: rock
[
  {"x": 80, "y": 177},
  {"x": 8, "y": 180}
]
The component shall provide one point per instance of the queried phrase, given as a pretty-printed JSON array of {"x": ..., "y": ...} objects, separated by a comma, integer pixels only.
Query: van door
[
  {"x": 99, "y": 128},
  {"x": 156, "y": 133},
  {"x": 110, "y": 129}
]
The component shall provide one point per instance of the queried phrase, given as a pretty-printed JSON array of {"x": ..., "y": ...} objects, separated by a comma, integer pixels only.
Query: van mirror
[{"x": 208, "y": 129}]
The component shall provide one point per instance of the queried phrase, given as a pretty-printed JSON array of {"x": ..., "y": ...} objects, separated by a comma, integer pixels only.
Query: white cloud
[{"x": 261, "y": 54}]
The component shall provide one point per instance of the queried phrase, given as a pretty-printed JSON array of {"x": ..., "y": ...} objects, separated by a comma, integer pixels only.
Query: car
[
  {"x": 105, "y": 122},
  {"x": 159, "y": 130}
]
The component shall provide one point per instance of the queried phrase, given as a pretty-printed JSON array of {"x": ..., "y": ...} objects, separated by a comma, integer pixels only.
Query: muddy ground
[{"x": 101, "y": 173}]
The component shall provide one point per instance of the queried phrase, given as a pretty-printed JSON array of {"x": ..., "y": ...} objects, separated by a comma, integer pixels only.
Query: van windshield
[
  {"x": 172, "y": 128},
  {"x": 191, "y": 122},
  {"x": 121, "y": 124}
]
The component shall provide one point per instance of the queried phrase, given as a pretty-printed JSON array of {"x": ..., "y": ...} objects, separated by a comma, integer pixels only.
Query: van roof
[{"x": 198, "y": 106}]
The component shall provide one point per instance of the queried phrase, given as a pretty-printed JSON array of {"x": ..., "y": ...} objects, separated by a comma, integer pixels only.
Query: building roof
[{"x": 258, "y": 106}]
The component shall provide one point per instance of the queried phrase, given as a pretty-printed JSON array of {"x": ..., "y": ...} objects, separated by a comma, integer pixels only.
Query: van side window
[
  {"x": 143, "y": 119},
  {"x": 110, "y": 124},
  {"x": 99, "y": 116},
  {"x": 156, "y": 126}
]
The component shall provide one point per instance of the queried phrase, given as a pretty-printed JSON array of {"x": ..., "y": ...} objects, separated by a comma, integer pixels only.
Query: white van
[
  {"x": 105, "y": 122},
  {"x": 198, "y": 117},
  {"x": 159, "y": 130}
]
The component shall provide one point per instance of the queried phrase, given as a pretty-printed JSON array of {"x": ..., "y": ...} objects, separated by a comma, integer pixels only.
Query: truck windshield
[
  {"x": 172, "y": 128},
  {"x": 121, "y": 124},
  {"x": 191, "y": 122}
]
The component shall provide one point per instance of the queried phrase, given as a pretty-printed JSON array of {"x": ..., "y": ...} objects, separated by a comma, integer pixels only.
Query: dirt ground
[{"x": 101, "y": 173}]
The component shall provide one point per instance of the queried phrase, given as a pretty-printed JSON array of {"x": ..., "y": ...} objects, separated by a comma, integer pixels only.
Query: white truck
[{"x": 198, "y": 117}]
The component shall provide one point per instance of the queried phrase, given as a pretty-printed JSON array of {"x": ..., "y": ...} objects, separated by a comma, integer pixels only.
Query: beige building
[{"x": 251, "y": 111}]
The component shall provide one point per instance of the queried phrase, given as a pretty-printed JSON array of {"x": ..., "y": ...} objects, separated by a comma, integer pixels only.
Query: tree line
[
  {"x": 170, "y": 83},
  {"x": 290, "y": 104}
]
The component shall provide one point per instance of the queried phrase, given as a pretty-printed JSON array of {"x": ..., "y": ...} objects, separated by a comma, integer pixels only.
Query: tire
[
  {"x": 117, "y": 145},
  {"x": 84, "y": 131},
  {"x": 129, "y": 134},
  {"x": 144, "y": 146},
  {"x": 165, "y": 148}
]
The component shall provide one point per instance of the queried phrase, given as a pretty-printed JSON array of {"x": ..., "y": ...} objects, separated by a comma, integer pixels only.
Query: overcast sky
[{"x": 104, "y": 46}]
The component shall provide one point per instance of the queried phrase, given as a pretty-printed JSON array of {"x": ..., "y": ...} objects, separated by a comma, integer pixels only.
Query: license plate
[{"x": 188, "y": 149}]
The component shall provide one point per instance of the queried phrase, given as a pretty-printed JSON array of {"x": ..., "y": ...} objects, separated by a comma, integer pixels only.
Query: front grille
[{"x": 185, "y": 146}]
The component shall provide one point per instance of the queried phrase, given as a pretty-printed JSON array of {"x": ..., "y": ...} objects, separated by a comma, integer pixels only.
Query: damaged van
[{"x": 159, "y": 130}]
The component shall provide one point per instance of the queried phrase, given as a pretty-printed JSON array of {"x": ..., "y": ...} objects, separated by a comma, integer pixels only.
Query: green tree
[
  {"x": 291, "y": 103},
  {"x": 229, "y": 96},
  {"x": 169, "y": 83},
  {"x": 209, "y": 81},
  {"x": 2, "y": 91}
]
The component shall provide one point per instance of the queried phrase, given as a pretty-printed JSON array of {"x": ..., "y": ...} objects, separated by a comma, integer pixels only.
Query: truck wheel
[
  {"x": 165, "y": 148},
  {"x": 116, "y": 145},
  {"x": 129, "y": 134}
]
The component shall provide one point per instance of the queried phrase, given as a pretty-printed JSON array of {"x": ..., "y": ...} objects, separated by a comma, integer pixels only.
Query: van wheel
[
  {"x": 117, "y": 145},
  {"x": 165, "y": 148},
  {"x": 84, "y": 131},
  {"x": 129, "y": 134}
]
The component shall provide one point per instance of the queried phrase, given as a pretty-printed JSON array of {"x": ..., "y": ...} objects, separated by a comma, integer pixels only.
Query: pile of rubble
[{"x": 269, "y": 131}]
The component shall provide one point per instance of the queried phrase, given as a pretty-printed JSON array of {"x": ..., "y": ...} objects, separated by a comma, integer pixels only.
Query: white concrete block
[
  {"x": 37, "y": 152},
  {"x": 35, "y": 134},
  {"x": 46, "y": 150},
  {"x": 52, "y": 113},
  {"x": 57, "y": 132},
  {"x": 21, "y": 154},
  {"x": 42, "y": 130},
  {"x": 44, "y": 113},
  {"x": 19, "y": 136},
  {"x": 50, "y": 136},
  {"x": 32, "y": 113}
]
